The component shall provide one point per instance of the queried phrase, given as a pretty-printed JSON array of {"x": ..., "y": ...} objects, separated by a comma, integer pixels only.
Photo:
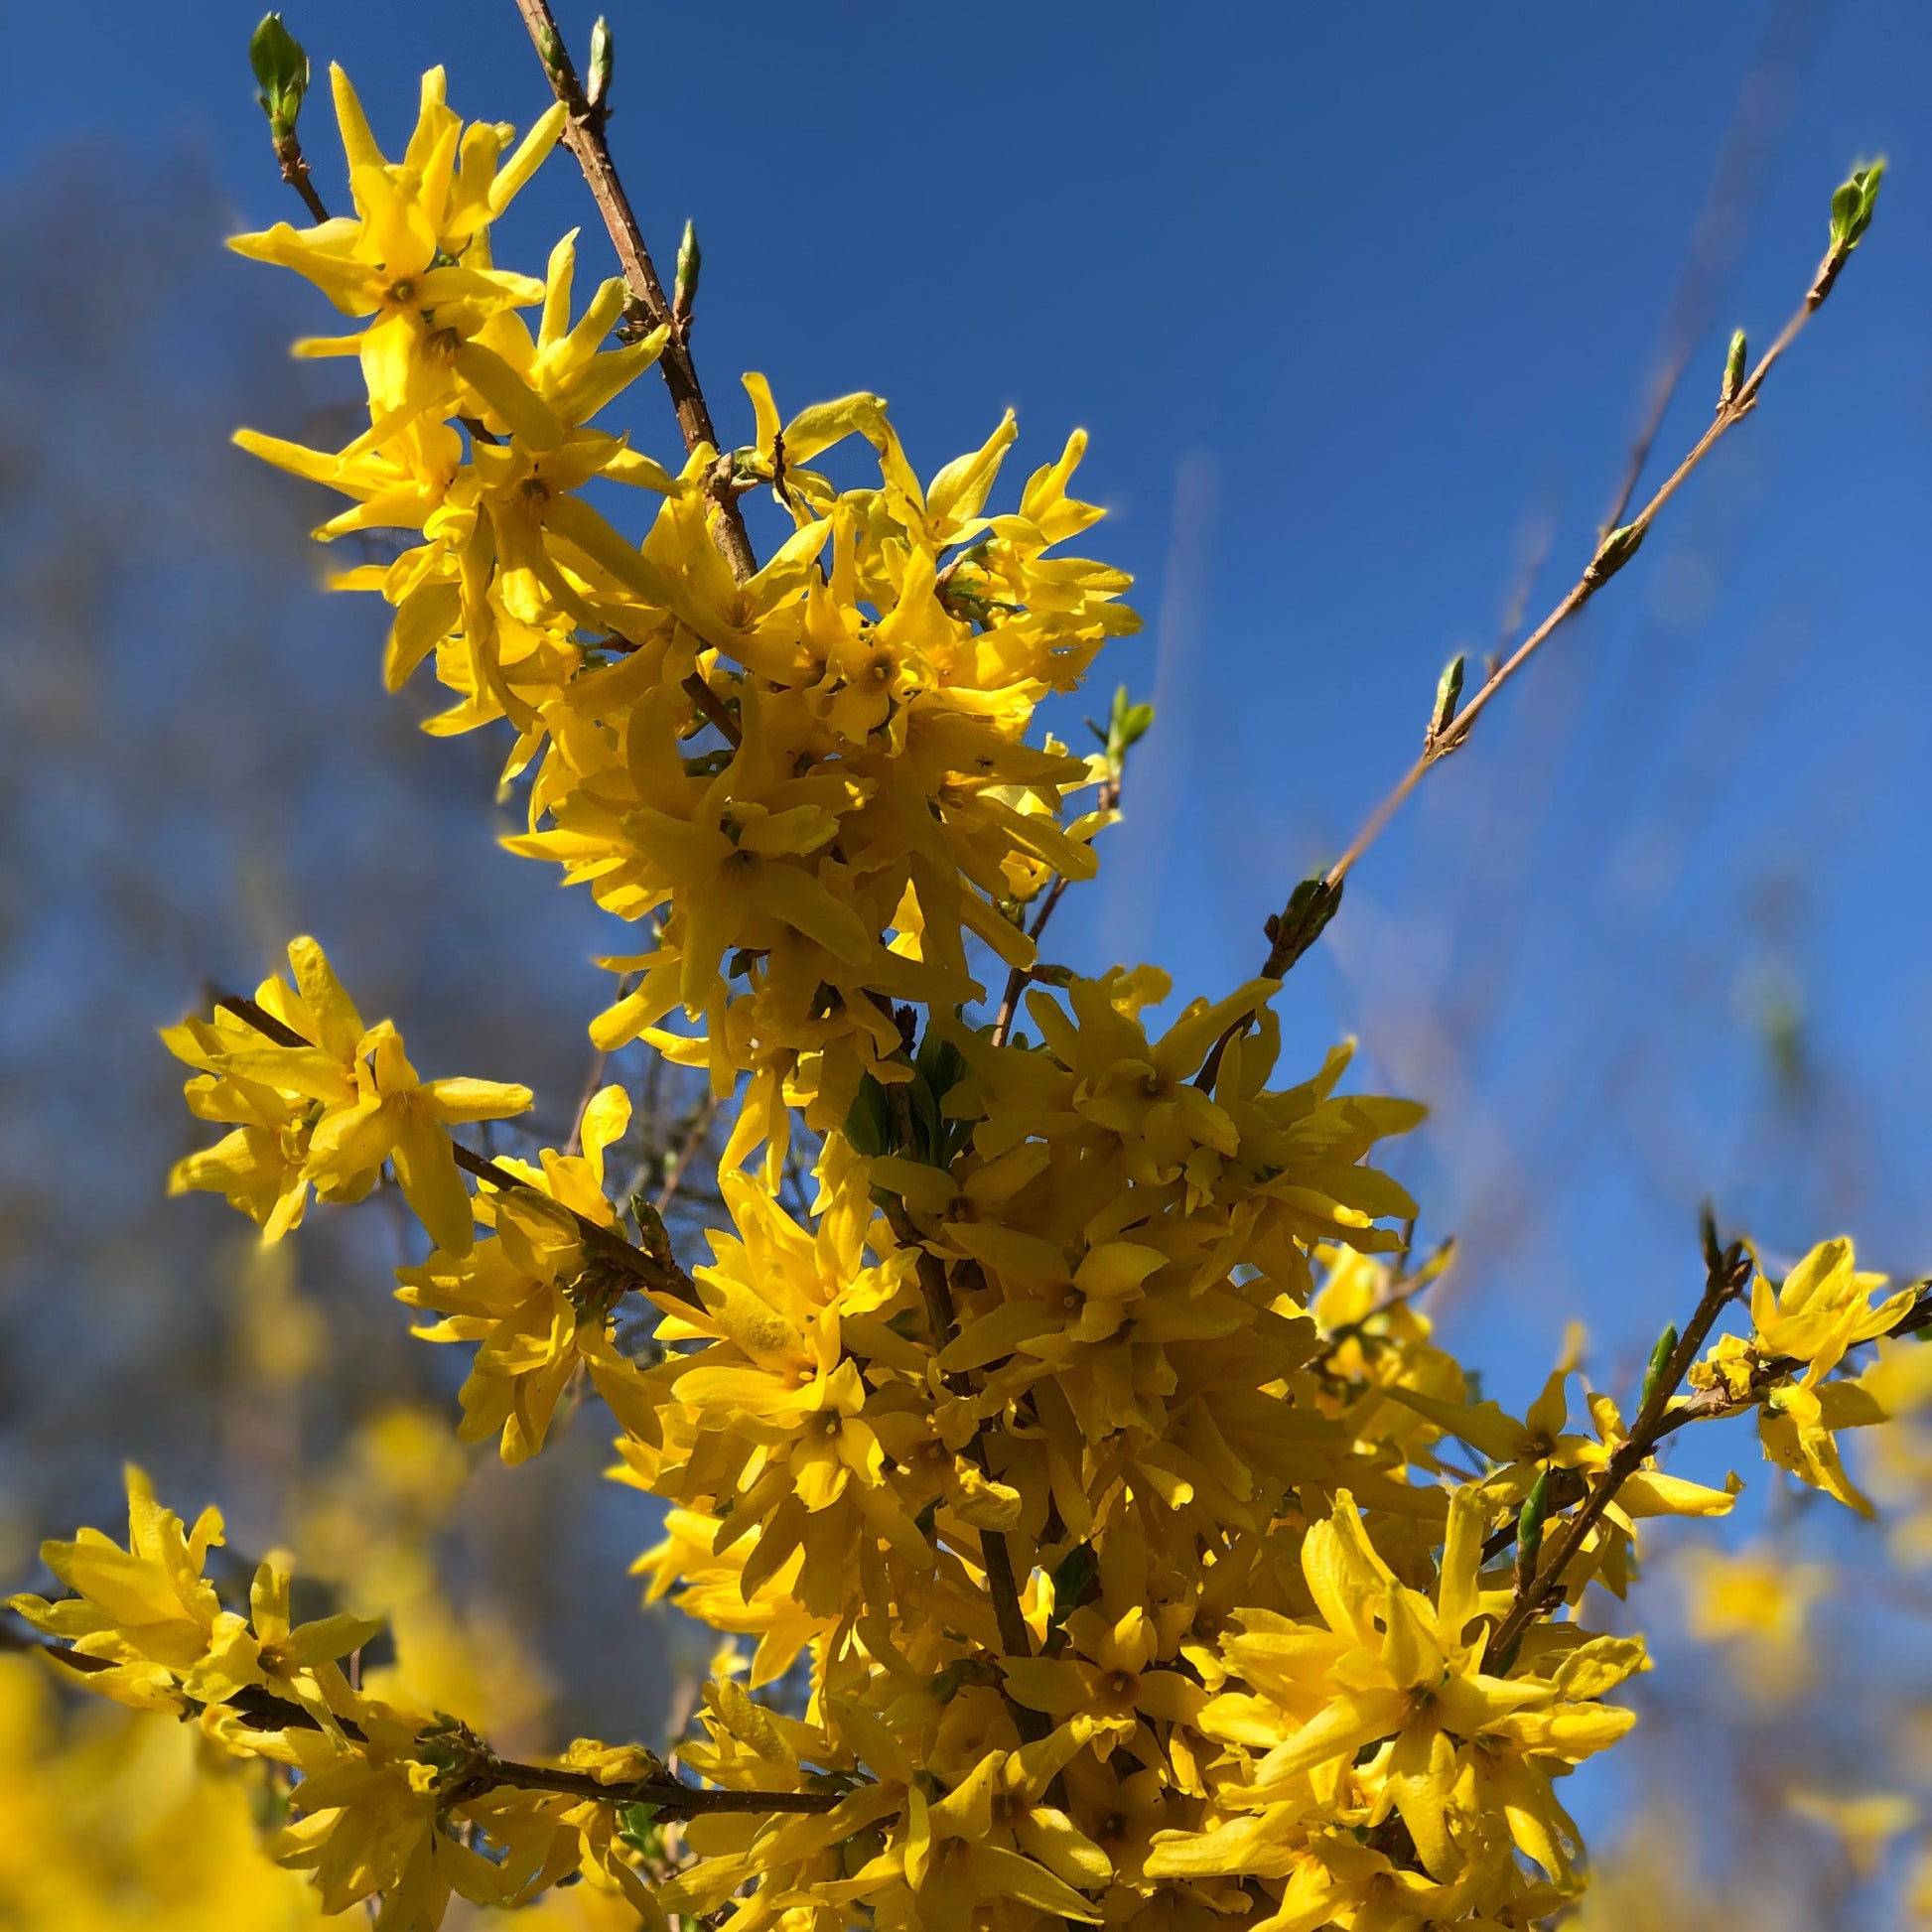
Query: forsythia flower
[
  {"x": 1756, "y": 1603},
  {"x": 149, "y": 1612},
  {"x": 531, "y": 1296},
  {"x": 328, "y": 1112},
  {"x": 1822, "y": 1307}
]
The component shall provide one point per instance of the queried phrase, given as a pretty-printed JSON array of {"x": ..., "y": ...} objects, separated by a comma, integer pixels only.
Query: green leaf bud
[
  {"x": 1734, "y": 361},
  {"x": 1852, "y": 207},
  {"x": 1614, "y": 552},
  {"x": 603, "y": 55},
  {"x": 281, "y": 68},
  {"x": 1449, "y": 694},
  {"x": 690, "y": 259},
  {"x": 1529, "y": 1530},
  {"x": 1659, "y": 1361}
]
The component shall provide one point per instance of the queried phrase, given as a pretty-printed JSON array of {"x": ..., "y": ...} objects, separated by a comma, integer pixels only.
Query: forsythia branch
[
  {"x": 485, "y": 1771},
  {"x": 654, "y": 1275},
  {"x": 1613, "y": 551},
  {"x": 585, "y": 139},
  {"x": 1289, "y": 938}
]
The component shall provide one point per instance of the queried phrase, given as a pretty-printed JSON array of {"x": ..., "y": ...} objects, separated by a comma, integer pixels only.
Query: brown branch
[
  {"x": 1107, "y": 799},
  {"x": 1612, "y": 552},
  {"x": 1616, "y": 549},
  {"x": 486, "y": 1772},
  {"x": 713, "y": 706},
  {"x": 674, "y": 1175},
  {"x": 1727, "y": 1271},
  {"x": 584, "y": 133},
  {"x": 1738, "y": 177},
  {"x": 295, "y": 171},
  {"x": 653, "y": 1276},
  {"x": 1015, "y": 1639}
]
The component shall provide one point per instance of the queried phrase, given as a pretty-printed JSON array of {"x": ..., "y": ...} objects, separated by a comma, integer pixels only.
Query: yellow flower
[
  {"x": 328, "y": 1113},
  {"x": 1864, "y": 1826},
  {"x": 534, "y": 1299},
  {"x": 146, "y": 1608},
  {"x": 1822, "y": 1308},
  {"x": 1757, "y": 1603}
]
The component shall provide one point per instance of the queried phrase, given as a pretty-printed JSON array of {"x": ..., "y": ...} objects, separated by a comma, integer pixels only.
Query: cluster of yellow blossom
[
  {"x": 324, "y": 1104},
  {"x": 820, "y": 773},
  {"x": 377, "y": 1788},
  {"x": 1822, "y": 1307},
  {"x": 1084, "y": 1439}
]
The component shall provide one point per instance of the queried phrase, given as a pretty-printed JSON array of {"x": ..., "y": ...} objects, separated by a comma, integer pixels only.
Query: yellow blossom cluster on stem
[{"x": 1081, "y": 1462}]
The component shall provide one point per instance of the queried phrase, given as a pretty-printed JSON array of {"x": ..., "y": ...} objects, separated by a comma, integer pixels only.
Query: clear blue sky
[{"x": 1354, "y": 302}]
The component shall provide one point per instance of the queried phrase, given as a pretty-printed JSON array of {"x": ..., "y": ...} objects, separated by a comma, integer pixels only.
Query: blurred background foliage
[{"x": 1660, "y": 932}]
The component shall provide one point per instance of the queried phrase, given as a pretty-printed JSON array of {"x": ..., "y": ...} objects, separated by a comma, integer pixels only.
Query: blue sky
[{"x": 1354, "y": 302}]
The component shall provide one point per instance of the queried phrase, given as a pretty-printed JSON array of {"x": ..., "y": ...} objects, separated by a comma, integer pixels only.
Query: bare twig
[
  {"x": 1290, "y": 937},
  {"x": 707, "y": 701},
  {"x": 1106, "y": 799},
  {"x": 687, "y": 1152},
  {"x": 295, "y": 171},
  {"x": 585, "y": 134},
  {"x": 1615, "y": 550},
  {"x": 652, "y": 1275},
  {"x": 1718, "y": 237}
]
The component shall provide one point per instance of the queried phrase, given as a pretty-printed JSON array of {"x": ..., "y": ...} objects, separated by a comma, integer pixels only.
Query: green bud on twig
[
  {"x": 281, "y": 74},
  {"x": 1127, "y": 724},
  {"x": 690, "y": 261},
  {"x": 1529, "y": 1530},
  {"x": 1614, "y": 552},
  {"x": 652, "y": 1235},
  {"x": 1449, "y": 694},
  {"x": 1659, "y": 1361},
  {"x": 1852, "y": 207},
  {"x": 550, "y": 50},
  {"x": 1291, "y": 932},
  {"x": 638, "y": 1829},
  {"x": 603, "y": 53},
  {"x": 1733, "y": 370}
]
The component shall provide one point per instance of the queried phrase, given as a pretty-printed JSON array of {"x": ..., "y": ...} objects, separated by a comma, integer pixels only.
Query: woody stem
[{"x": 584, "y": 133}]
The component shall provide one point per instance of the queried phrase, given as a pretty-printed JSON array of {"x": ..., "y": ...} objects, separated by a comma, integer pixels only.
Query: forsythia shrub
[{"x": 1114, "y": 1541}]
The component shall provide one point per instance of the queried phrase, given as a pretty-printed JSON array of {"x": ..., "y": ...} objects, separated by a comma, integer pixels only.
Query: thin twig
[
  {"x": 1611, "y": 554},
  {"x": 713, "y": 706},
  {"x": 1613, "y": 551},
  {"x": 1718, "y": 236},
  {"x": 687, "y": 1152},
  {"x": 295, "y": 171},
  {"x": 1726, "y": 1271},
  {"x": 653, "y": 1276},
  {"x": 1001, "y": 1586},
  {"x": 1106, "y": 799},
  {"x": 585, "y": 134}
]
